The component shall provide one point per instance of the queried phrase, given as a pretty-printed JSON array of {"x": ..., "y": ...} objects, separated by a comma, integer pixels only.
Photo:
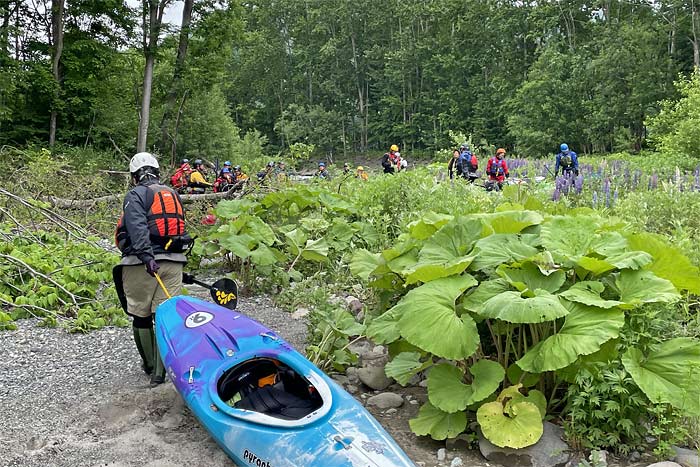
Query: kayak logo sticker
[
  {"x": 255, "y": 460},
  {"x": 198, "y": 318},
  {"x": 373, "y": 446}
]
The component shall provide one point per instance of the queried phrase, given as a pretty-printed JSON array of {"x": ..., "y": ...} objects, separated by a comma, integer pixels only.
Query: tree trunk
[
  {"x": 695, "y": 40},
  {"x": 57, "y": 7},
  {"x": 152, "y": 19},
  {"x": 167, "y": 140}
]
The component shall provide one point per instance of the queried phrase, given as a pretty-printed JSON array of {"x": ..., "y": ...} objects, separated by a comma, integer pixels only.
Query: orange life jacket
[{"x": 165, "y": 217}]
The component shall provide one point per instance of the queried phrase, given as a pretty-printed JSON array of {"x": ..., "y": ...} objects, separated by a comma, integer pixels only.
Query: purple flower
[
  {"x": 556, "y": 195},
  {"x": 615, "y": 198},
  {"x": 578, "y": 184},
  {"x": 595, "y": 199}
]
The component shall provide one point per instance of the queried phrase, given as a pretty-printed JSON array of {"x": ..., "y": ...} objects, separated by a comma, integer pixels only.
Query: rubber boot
[
  {"x": 144, "y": 343},
  {"x": 158, "y": 375}
]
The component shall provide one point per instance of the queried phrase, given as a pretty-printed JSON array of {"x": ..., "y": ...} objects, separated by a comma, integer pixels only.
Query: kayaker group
[
  {"x": 192, "y": 178},
  {"x": 464, "y": 164}
]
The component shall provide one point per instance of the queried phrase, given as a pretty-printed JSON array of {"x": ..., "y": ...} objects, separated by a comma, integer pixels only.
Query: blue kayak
[{"x": 262, "y": 401}]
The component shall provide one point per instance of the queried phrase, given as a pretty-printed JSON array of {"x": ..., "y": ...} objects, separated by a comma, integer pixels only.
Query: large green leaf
[
  {"x": 428, "y": 319},
  {"x": 588, "y": 293},
  {"x": 528, "y": 276},
  {"x": 405, "y": 366},
  {"x": 447, "y": 391},
  {"x": 384, "y": 329},
  {"x": 517, "y": 425},
  {"x": 497, "y": 249},
  {"x": 668, "y": 261},
  {"x": 637, "y": 287},
  {"x": 486, "y": 290},
  {"x": 512, "y": 307},
  {"x": 595, "y": 265},
  {"x": 233, "y": 208},
  {"x": 295, "y": 239},
  {"x": 428, "y": 224},
  {"x": 445, "y": 253},
  {"x": 585, "y": 329},
  {"x": 363, "y": 263},
  {"x": 669, "y": 373},
  {"x": 568, "y": 237},
  {"x": 258, "y": 229},
  {"x": 238, "y": 244},
  {"x": 438, "y": 424},
  {"x": 263, "y": 255},
  {"x": 511, "y": 222},
  {"x": 316, "y": 250},
  {"x": 608, "y": 244},
  {"x": 630, "y": 260}
]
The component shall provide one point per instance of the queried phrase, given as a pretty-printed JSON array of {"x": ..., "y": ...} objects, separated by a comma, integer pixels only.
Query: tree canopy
[{"x": 345, "y": 76}]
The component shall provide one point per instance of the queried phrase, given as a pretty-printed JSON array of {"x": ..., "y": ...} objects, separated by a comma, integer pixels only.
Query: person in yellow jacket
[
  {"x": 361, "y": 174},
  {"x": 198, "y": 184}
]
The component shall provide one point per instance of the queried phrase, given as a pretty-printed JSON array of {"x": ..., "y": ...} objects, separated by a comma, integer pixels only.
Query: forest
[{"x": 345, "y": 77}]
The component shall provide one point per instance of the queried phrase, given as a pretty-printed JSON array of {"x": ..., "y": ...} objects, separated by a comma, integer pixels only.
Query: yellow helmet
[
  {"x": 394, "y": 147},
  {"x": 359, "y": 167}
]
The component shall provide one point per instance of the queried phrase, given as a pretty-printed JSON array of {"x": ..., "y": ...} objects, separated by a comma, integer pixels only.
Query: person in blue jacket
[{"x": 567, "y": 161}]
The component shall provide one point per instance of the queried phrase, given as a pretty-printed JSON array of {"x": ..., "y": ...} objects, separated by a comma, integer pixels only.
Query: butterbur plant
[{"x": 499, "y": 304}]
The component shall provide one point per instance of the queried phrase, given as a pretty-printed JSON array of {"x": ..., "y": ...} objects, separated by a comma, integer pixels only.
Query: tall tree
[
  {"x": 152, "y": 20},
  {"x": 168, "y": 130},
  {"x": 57, "y": 8}
]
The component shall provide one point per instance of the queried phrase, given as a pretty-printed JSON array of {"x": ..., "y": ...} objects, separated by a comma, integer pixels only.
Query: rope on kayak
[{"x": 162, "y": 286}]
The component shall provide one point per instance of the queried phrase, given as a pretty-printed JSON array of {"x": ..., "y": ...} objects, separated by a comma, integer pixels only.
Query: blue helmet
[
  {"x": 321, "y": 164},
  {"x": 564, "y": 147},
  {"x": 227, "y": 163}
]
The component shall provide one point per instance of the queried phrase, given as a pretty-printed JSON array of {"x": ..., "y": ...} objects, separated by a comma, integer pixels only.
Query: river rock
[
  {"x": 353, "y": 304},
  {"x": 441, "y": 454},
  {"x": 386, "y": 400},
  {"x": 686, "y": 457},
  {"x": 300, "y": 313},
  {"x": 374, "y": 377},
  {"x": 549, "y": 451}
]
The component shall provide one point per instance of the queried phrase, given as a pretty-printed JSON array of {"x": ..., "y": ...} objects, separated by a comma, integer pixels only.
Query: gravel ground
[{"x": 82, "y": 399}]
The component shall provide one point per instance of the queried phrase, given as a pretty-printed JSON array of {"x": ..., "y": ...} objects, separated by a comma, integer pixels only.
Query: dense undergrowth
[{"x": 567, "y": 308}]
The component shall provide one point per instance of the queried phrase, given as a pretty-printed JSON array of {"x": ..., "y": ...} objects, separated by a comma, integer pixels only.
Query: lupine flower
[
  {"x": 556, "y": 195},
  {"x": 615, "y": 198},
  {"x": 654, "y": 181},
  {"x": 578, "y": 184},
  {"x": 595, "y": 199}
]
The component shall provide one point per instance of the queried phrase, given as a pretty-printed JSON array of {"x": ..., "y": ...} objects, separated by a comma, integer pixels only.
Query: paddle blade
[{"x": 224, "y": 292}]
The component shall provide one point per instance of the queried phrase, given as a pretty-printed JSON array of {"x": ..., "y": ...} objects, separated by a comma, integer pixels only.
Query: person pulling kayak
[{"x": 151, "y": 237}]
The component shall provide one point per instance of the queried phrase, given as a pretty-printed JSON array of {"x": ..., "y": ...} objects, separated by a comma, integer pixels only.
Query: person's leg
[
  {"x": 171, "y": 275},
  {"x": 139, "y": 289},
  {"x": 144, "y": 339}
]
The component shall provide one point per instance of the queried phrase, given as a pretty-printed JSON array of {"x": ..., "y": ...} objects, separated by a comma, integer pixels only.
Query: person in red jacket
[{"x": 497, "y": 169}]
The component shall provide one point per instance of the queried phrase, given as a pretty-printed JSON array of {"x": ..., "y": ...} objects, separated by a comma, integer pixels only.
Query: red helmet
[{"x": 209, "y": 219}]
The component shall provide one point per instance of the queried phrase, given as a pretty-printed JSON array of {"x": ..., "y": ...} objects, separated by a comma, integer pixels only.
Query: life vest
[
  {"x": 181, "y": 176},
  {"x": 497, "y": 167},
  {"x": 566, "y": 160},
  {"x": 165, "y": 217}
]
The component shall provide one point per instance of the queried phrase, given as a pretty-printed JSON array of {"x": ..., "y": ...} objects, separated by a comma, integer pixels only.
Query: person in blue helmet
[
  {"x": 322, "y": 173},
  {"x": 567, "y": 161},
  {"x": 227, "y": 168}
]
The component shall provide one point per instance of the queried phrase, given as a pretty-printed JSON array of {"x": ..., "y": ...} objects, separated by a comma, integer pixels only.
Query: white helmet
[{"x": 142, "y": 159}]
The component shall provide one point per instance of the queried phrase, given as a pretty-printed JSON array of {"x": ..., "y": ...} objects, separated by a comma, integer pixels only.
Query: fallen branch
[{"x": 63, "y": 203}]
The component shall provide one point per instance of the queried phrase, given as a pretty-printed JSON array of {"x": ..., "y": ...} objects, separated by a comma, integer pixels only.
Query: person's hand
[
  {"x": 152, "y": 267},
  {"x": 187, "y": 278}
]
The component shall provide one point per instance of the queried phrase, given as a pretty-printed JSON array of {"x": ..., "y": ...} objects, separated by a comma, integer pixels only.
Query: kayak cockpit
[{"x": 269, "y": 387}]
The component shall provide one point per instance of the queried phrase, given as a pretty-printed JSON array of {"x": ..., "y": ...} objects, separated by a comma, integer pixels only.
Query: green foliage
[
  {"x": 536, "y": 286},
  {"x": 675, "y": 128},
  {"x": 62, "y": 282}
]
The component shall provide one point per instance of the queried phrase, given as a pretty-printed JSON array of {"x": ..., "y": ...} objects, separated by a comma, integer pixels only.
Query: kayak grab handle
[{"x": 344, "y": 442}]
